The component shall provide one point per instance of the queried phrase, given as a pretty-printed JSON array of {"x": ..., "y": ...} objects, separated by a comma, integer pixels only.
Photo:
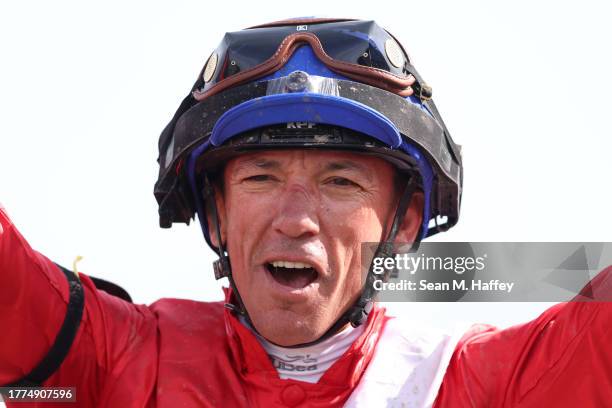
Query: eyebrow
[
  {"x": 349, "y": 165},
  {"x": 259, "y": 162},
  {"x": 270, "y": 164},
  {"x": 346, "y": 165}
]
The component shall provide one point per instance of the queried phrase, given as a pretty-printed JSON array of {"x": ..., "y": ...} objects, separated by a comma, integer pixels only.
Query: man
[{"x": 300, "y": 141}]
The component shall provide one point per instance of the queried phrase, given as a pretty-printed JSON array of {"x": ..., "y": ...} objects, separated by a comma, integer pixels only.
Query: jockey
[{"x": 300, "y": 141}]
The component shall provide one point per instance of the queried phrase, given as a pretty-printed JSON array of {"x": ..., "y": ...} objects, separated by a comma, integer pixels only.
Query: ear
[
  {"x": 221, "y": 215},
  {"x": 413, "y": 219}
]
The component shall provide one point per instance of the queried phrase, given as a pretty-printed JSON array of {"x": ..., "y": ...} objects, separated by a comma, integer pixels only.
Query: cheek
[
  {"x": 244, "y": 211},
  {"x": 353, "y": 224},
  {"x": 347, "y": 231},
  {"x": 246, "y": 219}
]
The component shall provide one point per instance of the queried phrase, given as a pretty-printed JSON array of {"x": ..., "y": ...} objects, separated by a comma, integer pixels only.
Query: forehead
[{"x": 316, "y": 159}]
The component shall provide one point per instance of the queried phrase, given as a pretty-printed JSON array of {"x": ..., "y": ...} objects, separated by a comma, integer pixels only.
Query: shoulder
[
  {"x": 184, "y": 310},
  {"x": 190, "y": 319}
]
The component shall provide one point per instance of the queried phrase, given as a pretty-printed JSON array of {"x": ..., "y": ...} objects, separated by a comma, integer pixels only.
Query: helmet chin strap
[
  {"x": 222, "y": 266},
  {"x": 357, "y": 314}
]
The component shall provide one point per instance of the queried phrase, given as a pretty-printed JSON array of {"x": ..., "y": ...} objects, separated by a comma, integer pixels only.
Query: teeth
[{"x": 293, "y": 265}]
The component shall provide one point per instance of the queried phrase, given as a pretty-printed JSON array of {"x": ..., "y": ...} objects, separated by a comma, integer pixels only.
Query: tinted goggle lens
[{"x": 356, "y": 42}]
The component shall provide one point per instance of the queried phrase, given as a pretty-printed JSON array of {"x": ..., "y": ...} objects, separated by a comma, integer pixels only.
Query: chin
[{"x": 284, "y": 328}]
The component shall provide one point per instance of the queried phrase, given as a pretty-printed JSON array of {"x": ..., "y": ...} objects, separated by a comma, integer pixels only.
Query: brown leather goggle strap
[{"x": 368, "y": 75}]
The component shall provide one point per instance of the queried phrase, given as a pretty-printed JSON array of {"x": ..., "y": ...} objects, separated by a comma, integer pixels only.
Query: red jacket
[{"x": 180, "y": 353}]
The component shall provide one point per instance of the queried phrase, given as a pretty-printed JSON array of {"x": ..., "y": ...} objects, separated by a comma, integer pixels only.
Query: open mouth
[{"x": 296, "y": 275}]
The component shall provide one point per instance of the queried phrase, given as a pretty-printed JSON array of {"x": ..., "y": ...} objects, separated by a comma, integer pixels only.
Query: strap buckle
[{"x": 221, "y": 267}]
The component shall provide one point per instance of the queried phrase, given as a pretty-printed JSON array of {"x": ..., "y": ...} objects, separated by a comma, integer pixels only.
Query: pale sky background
[{"x": 86, "y": 88}]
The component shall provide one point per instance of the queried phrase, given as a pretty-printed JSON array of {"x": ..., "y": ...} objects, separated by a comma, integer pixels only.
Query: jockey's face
[{"x": 293, "y": 222}]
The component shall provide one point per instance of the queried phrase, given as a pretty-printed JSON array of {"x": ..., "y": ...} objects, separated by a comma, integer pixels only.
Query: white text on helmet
[{"x": 300, "y": 125}]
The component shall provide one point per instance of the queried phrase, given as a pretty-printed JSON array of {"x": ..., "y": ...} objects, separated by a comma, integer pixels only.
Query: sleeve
[
  {"x": 114, "y": 351},
  {"x": 562, "y": 359}
]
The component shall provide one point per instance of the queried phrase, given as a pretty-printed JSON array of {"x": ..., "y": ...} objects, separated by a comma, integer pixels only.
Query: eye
[
  {"x": 259, "y": 178},
  {"x": 342, "y": 182}
]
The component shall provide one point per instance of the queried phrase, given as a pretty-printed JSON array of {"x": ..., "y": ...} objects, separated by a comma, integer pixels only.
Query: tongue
[{"x": 292, "y": 277}]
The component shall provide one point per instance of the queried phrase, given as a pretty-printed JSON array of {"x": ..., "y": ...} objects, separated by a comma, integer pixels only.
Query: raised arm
[
  {"x": 111, "y": 336},
  {"x": 562, "y": 359}
]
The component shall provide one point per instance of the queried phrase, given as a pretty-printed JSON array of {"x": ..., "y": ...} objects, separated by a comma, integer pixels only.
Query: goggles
[{"x": 359, "y": 50}]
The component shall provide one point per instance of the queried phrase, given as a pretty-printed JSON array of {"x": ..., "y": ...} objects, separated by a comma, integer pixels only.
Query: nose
[{"x": 296, "y": 215}]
